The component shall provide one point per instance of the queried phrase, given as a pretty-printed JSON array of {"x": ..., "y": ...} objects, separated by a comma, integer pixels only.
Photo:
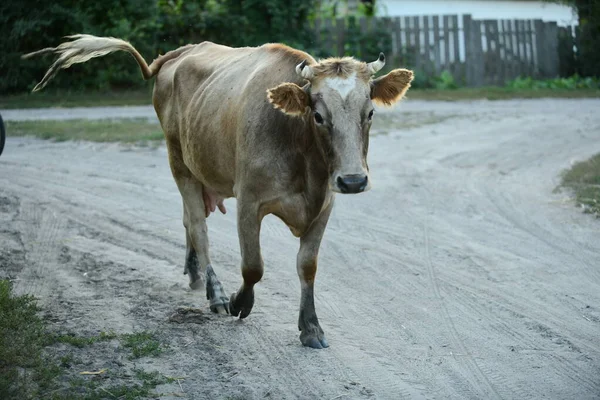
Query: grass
[
  {"x": 22, "y": 340},
  {"x": 30, "y": 368},
  {"x": 50, "y": 98},
  {"x": 499, "y": 93},
  {"x": 142, "y": 344},
  {"x": 584, "y": 179},
  {"x": 122, "y": 130},
  {"x": 144, "y": 97}
]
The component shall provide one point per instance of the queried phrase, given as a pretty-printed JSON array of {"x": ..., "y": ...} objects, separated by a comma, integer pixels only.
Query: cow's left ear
[
  {"x": 290, "y": 98},
  {"x": 388, "y": 89}
]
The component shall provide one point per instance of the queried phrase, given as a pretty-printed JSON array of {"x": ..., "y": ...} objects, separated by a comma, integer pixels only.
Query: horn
[
  {"x": 304, "y": 70},
  {"x": 376, "y": 65}
]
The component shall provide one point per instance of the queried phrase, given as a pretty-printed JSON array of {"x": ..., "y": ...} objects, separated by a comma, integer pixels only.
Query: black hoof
[
  {"x": 313, "y": 340},
  {"x": 241, "y": 304}
]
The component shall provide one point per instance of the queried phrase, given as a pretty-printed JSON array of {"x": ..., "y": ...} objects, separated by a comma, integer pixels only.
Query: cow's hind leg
[
  {"x": 311, "y": 333},
  {"x": 197, "y": 261}
]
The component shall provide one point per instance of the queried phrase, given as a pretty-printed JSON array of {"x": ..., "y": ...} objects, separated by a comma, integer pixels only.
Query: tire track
[{"x": 484, "y": 386}]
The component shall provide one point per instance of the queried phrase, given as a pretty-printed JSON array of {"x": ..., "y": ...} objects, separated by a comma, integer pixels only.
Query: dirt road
[{"x": 461, "y": 275}]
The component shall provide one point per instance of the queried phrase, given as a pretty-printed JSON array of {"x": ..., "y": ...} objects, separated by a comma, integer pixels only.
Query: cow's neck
[{"x": 316, "y": 174}]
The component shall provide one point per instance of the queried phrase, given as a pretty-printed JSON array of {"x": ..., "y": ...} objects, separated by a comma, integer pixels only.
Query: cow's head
[{"x": 338, "y": 104}]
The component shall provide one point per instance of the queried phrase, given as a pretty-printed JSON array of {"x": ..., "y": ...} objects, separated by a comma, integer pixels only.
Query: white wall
[{"x": 480, "y": 9}]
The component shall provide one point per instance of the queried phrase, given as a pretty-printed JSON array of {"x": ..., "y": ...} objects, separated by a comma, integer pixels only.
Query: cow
[{"x": 268, "y": 125}]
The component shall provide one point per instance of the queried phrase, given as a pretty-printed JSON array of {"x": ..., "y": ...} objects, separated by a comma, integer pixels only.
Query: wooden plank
[
  {"x": 426, "y": 62},
  {"x": 520, "y": 47},
  {"x": 490, "y": 68},
  {"x": 409, "y": 43},
  {"x": 447, "y": 65},
  {"x": 530, "y": 46},
  {"x": 436, "y": 47},
  {"x": 417, "y": 38},
  {"x": 508, "y": 49},
  {"x": 541, "y": 51},
  {"x": 473, "y": 51},
  {"x": 458, "y": 71},
  {"x": 340, "y": 33},
  {"x": 495, "y": 51},
  {"x": 551, "y": 35}
]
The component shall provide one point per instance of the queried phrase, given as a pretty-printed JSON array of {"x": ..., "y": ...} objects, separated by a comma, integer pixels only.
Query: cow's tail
[{"x": 86, "y": 47}]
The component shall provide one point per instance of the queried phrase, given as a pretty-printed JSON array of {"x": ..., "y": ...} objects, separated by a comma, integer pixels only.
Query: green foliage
[
  {"x": 29, "y": 25},
  {"x": 445, "y": 81},
  {"x": 153, "y": 27},
  {"x": 571, "y": 83}
]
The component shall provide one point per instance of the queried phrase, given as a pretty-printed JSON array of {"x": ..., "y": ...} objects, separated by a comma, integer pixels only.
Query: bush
[{"x": 572, "y": 83}]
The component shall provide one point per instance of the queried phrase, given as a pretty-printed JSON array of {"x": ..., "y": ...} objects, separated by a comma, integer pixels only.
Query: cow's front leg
[
  {"x": 241, "y": 302},
  {"x": 311, "y": 334}
]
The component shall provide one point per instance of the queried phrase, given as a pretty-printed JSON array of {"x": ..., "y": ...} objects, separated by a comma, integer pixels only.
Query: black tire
[{"x": 2, "y": 135}]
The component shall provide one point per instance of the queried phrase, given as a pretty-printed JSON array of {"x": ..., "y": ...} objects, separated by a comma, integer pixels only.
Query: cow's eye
[
  {"x": 370, "y": 115},
  {"x": 318, "y": 118}
]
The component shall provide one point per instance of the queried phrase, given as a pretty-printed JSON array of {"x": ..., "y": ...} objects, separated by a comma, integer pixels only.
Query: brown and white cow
[{"x": 267, "y": 125}]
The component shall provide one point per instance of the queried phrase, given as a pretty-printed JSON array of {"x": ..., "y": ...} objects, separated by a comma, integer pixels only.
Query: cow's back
[{"x": 212, "y": 104}]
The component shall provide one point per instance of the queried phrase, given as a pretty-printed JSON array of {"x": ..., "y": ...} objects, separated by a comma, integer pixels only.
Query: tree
[{"x": 588, "y": 12}]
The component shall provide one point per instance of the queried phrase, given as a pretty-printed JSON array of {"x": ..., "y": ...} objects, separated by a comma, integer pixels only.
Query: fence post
[
  {"x": 541, "y": 49},
  {"x": 552, "y": 48},
  {"x": 473, "y": 53}
]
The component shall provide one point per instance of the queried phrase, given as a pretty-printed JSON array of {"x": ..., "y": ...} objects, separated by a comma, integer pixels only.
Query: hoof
[
  {"x": 220, "y": 307},
  {"x": 314, "y": 341},
  {"x": 219, "y": 303},
  {"x": 242, "y": 305}
]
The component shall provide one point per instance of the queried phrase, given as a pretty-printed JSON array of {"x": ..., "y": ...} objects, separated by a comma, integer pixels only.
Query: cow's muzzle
[{"x": 352, "y": 183}]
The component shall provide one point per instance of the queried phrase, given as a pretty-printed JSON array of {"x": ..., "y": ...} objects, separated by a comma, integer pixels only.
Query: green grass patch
[
  {"x": 30, "y": 368},
  {"x": 584, "y": 179},
  {"x": 25, "y": 371},
  {"x": 500, "y": 93},
  {"x": 63, "y": 99},
  {"x": 142, "y": 344},
  {"x": 104, "y": 130}
]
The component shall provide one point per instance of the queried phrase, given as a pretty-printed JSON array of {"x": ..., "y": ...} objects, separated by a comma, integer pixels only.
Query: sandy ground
[{"x": 461, "y": 275}]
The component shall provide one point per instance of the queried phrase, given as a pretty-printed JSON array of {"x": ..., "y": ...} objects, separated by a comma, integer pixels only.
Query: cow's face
[{"x": 338, "y": 103}]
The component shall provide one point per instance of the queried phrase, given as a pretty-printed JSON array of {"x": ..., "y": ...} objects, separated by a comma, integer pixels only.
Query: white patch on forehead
[{"x": 341, "y": 85}]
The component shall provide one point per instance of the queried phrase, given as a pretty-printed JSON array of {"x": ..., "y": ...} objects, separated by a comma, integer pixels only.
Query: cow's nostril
[
  {"x": 342, "y": 185},
  {"x": 352, "y": 183}
]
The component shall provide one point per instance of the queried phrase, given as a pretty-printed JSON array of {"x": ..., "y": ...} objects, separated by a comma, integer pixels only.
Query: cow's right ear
[{"x": 290, "y": 98}]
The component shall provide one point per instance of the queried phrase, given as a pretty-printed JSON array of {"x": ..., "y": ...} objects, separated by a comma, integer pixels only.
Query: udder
[{"x": 212, "y": 200}]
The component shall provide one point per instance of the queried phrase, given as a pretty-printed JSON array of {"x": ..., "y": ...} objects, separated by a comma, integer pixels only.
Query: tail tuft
[{"x": 82, "y": 49}]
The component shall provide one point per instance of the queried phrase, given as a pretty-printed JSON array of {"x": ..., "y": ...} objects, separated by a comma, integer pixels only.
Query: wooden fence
[{"x": 476, "y": 52}]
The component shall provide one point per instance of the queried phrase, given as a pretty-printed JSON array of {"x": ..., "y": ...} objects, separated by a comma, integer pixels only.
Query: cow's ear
[
  {"x": 290, "y": 98},
  {"x": 388, "y": 89}
]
